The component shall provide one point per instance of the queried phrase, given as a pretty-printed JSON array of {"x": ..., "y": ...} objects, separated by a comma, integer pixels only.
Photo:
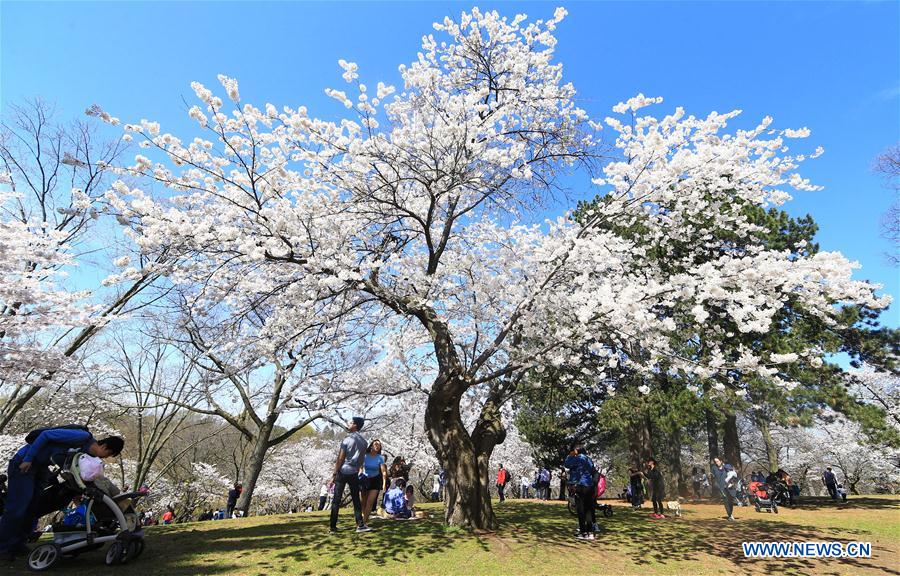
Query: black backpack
[{"x": 32, "y": 436}]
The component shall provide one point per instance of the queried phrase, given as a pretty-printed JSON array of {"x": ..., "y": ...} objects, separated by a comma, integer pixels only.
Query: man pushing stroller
[{"x": 28, "y": 474}]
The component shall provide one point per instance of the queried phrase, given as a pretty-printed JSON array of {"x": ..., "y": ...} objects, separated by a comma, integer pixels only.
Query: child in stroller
[
  {"x": 764, "y": 497},
  {"x": 108, "y": 516}
]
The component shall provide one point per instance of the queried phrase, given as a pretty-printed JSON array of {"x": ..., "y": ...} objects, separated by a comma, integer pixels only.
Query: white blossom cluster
[
  {"x": 405, "y": 222},
  {"x": 34, "y": 302}
]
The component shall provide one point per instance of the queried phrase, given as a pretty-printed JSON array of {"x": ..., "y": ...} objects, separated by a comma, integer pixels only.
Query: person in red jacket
[{"x": 502, "y": 479}]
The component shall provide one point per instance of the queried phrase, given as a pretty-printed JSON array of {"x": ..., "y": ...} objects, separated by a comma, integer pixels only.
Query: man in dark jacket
[
  {"x": 29, "y": 474},
  {"x": 657, "y": 488},
  {"x": 830, "y": 482},
  {"x": 233, "y": 496},
  {"x": 717, "y": 468}
]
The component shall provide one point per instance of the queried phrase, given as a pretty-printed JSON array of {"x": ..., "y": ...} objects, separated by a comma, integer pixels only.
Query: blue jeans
[{"x": 18, "y": 518}]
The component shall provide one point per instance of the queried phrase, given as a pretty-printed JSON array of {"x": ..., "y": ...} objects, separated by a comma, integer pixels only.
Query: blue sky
[{"x": 834, "y": 67}]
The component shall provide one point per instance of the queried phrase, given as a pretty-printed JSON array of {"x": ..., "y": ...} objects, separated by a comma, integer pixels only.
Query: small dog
[{"x": 675, "y": 507}]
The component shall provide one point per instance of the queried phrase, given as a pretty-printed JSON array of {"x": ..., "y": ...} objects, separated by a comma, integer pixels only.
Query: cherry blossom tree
[
  {"x": 878, "y": 387},
  {"x": 149, "y": 380},
  {"x": 412, "y": 214},
  {"x": 52, "y": 178},
  {"x": 293, "y": 474},
  {"x": 841, "y": 444}
]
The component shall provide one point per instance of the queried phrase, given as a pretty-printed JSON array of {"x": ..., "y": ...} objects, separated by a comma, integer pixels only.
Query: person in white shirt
[
  {"x": 323, "y": 496},
  {"x": 436, "y": 487}
]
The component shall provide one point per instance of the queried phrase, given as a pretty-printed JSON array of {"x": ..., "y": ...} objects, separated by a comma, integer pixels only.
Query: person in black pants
[
  {"x": 346, "y": 473},
  {"x": 581, "y": 478},
  {"x": 637, "y": 487},
  {"x": 233, "y": 496},
  {"x": 830, "y": 482},
  {"x": 657, "y": 488},
  {"x": 717, "y": 468}
]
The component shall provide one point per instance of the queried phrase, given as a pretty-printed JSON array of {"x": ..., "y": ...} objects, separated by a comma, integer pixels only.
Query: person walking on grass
[
  {"x": 636, "y": 482},
  {"x": 233, "y": 496},
  {"x": 830, "y": 482},
  {"x": 720, "y": 475},
  {"x": 697, "y": 477},
  {"x": 502, "y": 479},
  {"x": 323, "y": 496},
  {"x": 657, "y": 488},
  {"x": 581, "y": 478},
  {"x": 374, "y": 478},
  {"x": 436, "y": 487},
  {"x": 346, "y": 473},
  {"x": 525, "y": 485}
]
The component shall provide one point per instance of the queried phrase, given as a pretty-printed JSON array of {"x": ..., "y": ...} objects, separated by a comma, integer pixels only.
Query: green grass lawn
[{"x": 535, "y": 538}]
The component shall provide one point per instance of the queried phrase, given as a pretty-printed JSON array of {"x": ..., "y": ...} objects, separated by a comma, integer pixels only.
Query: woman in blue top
[{"x": 374, "y": 473}]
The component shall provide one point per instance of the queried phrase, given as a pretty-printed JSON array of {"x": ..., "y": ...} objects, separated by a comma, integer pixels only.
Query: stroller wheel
[
  {"x": 115, "y": 554},
  {"x": 43, "y": 557},
  {"x": 775, "y": 508},
  {"x": 135, "y": 547},
  {"x": 607, "y": 512}
]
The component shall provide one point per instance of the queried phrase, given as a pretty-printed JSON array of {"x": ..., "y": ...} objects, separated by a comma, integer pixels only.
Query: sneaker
[
  {"x": 660, "y": 515},
  {"x": 731, "y": 518},
  {"x": 583, "y": 536},
  {"x": 363, "y": 528},
  {"x": 590, "y": 536}
]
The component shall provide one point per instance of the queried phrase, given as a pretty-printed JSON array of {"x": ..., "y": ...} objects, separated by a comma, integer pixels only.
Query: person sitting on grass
[
  {"x": 410, "y": 496},
  {"x": 395, "y": 503}
]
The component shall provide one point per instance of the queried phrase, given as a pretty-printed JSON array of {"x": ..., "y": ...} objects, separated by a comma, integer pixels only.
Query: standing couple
[{"x": 355, "y": 454}]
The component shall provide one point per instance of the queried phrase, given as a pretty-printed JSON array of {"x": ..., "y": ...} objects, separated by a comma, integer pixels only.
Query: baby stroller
[
  {"x": 106, "y": 519},
  {"x": 764, "y": 496},
  {"x": 604, "y": 509}
]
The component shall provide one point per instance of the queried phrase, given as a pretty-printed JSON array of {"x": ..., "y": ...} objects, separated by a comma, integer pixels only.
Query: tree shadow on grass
[
  {"x": 301, "y": 544},
  {"x": 670, "y": 540},
  {"x": 852, "y": 503},
  {"x": 282, "y": 546}
]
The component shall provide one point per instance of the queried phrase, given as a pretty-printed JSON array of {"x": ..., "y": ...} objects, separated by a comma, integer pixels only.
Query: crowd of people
[{"x": 361, "y": 469}]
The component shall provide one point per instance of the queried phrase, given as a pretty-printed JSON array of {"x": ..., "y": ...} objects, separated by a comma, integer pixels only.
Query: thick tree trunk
[
  {"x": 771, "y": 451},
  {"x": 712, "y": 434},
  {"x": 254, "y": 467},
  {"x": 488, "y": 433},
  {"x": 467, "y": 490},
  {"x": 639, "y": 442},
  {"x": 675, "y": 469},
  {"x": 731, "y": 443}
]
